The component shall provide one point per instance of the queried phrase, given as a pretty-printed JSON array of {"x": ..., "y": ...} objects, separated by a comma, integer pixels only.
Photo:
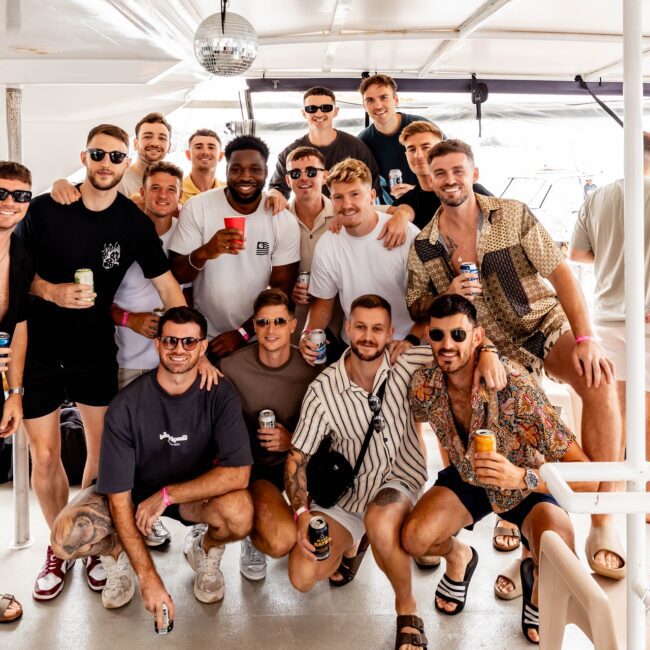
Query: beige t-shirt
[
  {"x": 130, "y": 183},
  {"x": 599, "y": 229}
]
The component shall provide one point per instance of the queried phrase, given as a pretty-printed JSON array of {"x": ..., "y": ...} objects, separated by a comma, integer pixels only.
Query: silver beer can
[
  {"x": 303, "y": 277},
  {"x": 266, "y": 419},
  {"x": 320, "y": 339},
  {"x": 395, "y": 177}
]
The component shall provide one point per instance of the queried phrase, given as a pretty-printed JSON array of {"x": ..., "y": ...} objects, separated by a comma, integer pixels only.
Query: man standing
[
  {"x": 393, "y": 471},
  {"x": 168, "y": 447},
  {"x": 71, "y": 351},
  {"x": 229, "y": 267},
  {"x": 354, "y": 261},
  {"x": 16, "y": 274},
  {"x": 269, "y": 375},
  {"x": 545, "y": 330},
  {"x": 527, "y": 433},
  {"x": 379, "y": 94},
  {"x": 598, "y": 239},
  {"x": 319, "y": 110},
  {"x": 204, "y": 152}
]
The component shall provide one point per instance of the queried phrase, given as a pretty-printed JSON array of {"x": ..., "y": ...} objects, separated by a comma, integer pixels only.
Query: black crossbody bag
[{"x": 329, "y": 473}]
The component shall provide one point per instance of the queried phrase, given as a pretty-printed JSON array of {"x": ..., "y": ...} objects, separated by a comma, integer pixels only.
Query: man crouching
[{"x": 167, "y": 448}]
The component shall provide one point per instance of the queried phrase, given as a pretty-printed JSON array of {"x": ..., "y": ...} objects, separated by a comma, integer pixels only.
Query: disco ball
[{"x": 226, "y": 52}]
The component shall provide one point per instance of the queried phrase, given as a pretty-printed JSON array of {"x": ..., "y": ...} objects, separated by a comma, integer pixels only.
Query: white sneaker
[
  {"x": 159, "y": 535},
  {"x": 120, "y": 581},
  {"x": 196, "y": 531},
  {"x": 252, "y": 563},
  {"x": 209, "y": 583}
]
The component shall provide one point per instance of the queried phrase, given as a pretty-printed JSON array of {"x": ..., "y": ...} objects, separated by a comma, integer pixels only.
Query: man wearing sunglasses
[
  {"x": 270, "y": 374},
  {"x": 342, "y": 402},
  {"x": 320, "y": 109},
  {"x": 528, "y": 433},
  {"x": 168, "y": 448},
  {"x": 544, "y": 327},
  {"x": 71, "y": 350}
]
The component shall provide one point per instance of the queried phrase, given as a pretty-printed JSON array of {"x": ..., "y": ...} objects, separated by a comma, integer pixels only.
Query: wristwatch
[
  {"x": 19, "y": 390},
  {"x": 531, "y": 479}
]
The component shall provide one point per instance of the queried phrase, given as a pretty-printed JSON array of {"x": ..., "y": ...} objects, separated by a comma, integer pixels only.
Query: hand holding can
[{"x": 5, "y": 351}]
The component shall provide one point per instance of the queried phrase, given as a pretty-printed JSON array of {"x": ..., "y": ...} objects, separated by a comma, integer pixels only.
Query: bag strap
[{"x": 366, "y": 440}]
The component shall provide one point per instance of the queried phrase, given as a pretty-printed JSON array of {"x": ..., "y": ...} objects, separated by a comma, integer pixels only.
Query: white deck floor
[{"x": 266, "y": 615}]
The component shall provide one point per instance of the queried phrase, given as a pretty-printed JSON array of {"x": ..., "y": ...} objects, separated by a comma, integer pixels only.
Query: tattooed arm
[{"x": 295, "y": 478}]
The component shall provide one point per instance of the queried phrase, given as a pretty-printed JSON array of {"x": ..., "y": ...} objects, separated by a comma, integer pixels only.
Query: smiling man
[
  {"x": 229, "y": 267},
  {"x": 204, "y": 152}
]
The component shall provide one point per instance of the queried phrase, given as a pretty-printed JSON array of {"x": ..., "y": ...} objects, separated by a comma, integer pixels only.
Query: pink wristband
[
  {"x": 125, "y": 317},
  {"x": 244, "y": 334},
  {"x": 165, "y": 496},
  {"x": 298, "y": 512},
  {"x": 580, "y": 339}
]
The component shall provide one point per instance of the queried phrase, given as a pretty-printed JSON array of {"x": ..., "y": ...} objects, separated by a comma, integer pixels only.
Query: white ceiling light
[{"x": 225, "y": 44}]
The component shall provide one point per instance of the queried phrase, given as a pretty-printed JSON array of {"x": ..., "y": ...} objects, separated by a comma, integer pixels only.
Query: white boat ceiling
[{"x": 80, "y": 62}]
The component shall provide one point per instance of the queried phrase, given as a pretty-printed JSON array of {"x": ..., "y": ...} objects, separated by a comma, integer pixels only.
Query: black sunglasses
[
  {"x": 310, "y": 172},
  {"x": 378, "y": 420},
  {"x": 99, "y": 154},
  {"x": 324, "y": 108},
  {"x": 19, "y": 196},
  {"x": 266, "y": 322},
  {"x": 170, "y": 342},
  {"x": 459, "y": 335}
]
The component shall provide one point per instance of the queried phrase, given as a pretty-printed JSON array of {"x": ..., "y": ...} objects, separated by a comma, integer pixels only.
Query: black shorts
[
  {"x": 174, "y": 512},
  {"x": 478, "y": 505},
  {"x": 48, "y": 383},
  {"x": 271, "y": 473}
]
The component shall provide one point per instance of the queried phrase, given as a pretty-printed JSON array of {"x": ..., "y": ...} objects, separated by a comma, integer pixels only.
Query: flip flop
[
  {"x": 456, "y": 592},
  {"x": 604, "y": 538},
  {"x": 428, "y": 562},
  {"x": 511, "y": 573},
  {"x": 5, "y": 601},
  {"x": 529, "y": 612},
  {"x": 505, "y": 531},
  {"x": 410, "y": 638},
  {"x": 350, "y": 565}
]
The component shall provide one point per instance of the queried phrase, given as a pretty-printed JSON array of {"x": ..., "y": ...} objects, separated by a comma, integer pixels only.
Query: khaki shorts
[
  {"x": 613, "y": 341},
  {"x": 353, "y": 521}
]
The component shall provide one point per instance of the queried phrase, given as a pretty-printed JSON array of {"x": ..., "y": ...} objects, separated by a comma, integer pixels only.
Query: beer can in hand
[
  {"x": 485, "y": 440},
  {"x": 266, "y": 419},
  {"x": 320, "y": 339},
  {"x": 85, "y": 276},
  {"x": 319, "y": 537},
  {"x": 5, "y": 340},
  {"x": 303, "y": 278},
  {"x": 394, "y": 177},
  {"x": 167, "y": 625}
]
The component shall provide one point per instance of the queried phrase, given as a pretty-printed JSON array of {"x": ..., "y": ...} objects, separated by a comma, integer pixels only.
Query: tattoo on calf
[{"x": 387, "y": 496}]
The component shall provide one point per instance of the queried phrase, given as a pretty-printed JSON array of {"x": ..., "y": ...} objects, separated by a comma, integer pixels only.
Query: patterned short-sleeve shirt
[
  {"x": 517, "y": 308},
  {"x": 527, "y": 428}
]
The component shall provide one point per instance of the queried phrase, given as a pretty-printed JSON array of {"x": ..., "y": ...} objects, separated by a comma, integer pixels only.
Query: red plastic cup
[{"x": 236, "y": 222}]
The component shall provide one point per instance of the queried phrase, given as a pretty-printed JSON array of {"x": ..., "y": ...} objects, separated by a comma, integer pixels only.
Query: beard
[
  {"x": 104, "y": 188},
  {"x": 244, "y": 200},
  {"x": 363, "y": 356},
  {"x": 454, "y": 202}
]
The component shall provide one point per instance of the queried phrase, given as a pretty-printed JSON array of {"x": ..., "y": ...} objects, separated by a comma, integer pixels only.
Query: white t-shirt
[
  {"x": 353, "y": 266},
  {"x": 137, "y": 294},
  {"x": 224, "y": 291}
]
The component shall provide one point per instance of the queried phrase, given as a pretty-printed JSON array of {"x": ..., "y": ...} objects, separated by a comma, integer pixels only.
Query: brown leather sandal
[
  {"x": 350, "y": 565},
  {"x": 5, "y": 602},
  {"x": 413, "y": 638}
]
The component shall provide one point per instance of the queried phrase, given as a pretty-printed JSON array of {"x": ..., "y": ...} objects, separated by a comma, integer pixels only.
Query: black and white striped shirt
[{"x": 333, "y": 404}]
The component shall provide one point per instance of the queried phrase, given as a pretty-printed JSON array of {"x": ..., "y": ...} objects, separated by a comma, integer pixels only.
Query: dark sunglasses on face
[
  {"x": 459, "y": 335},
  {"x": 266, "y": 322},
  {"x": 98, "y": 155},
  {"x": 310, "y": 172},
  {"x": 19, "y": 196},
  {"x": 324, "y": 108},
  {"x": 170, "y": 342}
]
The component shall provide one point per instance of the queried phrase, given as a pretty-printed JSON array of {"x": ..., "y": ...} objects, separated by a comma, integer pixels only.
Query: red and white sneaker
[
  {"x": 95, "y": 572},
  {"x": 51, "y": 579}
]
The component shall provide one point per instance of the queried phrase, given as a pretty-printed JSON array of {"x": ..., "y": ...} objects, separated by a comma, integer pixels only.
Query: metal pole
[
  {"x": 22, "y": 537},
  {"x": 634, "y": 310}
]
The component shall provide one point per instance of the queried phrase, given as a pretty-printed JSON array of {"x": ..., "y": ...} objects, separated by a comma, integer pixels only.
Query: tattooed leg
[{"x": 84, "y": 527}]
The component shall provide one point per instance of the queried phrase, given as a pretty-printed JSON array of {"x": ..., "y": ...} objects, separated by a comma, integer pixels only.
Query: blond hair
[
  {"x": 349, "y": 171},
  {"x": 420, "y": 126}
]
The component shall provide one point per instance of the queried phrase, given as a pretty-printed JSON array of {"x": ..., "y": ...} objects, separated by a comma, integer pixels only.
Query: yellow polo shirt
[{"x": 190, "y": 190}]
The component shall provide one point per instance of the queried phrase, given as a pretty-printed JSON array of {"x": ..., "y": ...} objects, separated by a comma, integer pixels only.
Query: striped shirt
[{"x": 334, "y": 405}]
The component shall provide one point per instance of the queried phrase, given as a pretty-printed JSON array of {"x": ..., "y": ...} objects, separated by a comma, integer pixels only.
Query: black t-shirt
[
  {"x": 152, "y": 439},
  {"x": 425, "y": 204},
  {"x": 64, "y": 238}
]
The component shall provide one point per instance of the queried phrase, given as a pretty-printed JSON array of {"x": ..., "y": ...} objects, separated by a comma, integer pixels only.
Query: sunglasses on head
[
  {"x": 309, "y": 172},
  {"x": 378, "y": 420},
  {"x": 324, "y": 108},
  {"x": 170, "y": 342},
  {"x": 266, "y": 322},
  {"x": 459, "y": 335},
  {"x": 99, "y": 154},
  {"x": 19, "y": 196}
]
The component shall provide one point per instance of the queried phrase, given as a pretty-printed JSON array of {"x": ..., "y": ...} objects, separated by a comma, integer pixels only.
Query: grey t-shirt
[{"x": 152, "y": 439}]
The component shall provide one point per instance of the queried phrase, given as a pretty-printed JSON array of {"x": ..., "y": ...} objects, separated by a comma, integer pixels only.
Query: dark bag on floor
[
  {"x": 329, "y": 474},
  {"x": 73, "y": 444}
]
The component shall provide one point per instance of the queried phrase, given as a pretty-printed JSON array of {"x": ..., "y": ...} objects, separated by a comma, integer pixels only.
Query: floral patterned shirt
[{"x": 527, "y": 428}]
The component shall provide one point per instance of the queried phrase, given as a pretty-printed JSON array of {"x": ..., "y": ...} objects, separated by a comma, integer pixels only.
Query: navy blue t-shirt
[{"x": 152, "y": 439}]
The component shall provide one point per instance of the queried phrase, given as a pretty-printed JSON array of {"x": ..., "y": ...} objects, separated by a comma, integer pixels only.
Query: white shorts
[
  {"x": 613, "y": 341},
  {"x": 353, "y": 521}
]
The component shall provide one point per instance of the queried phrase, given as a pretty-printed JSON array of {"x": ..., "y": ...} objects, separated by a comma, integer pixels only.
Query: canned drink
[
  {"x": 319, "y": 537},
  {"x": 85, "y": 276},
  {"x": 303, "y": 277},
  {"x": 266, "y": 419},
  {"x": 159, "y": 311},
  {"x": 5, "y": 340},
  {"x": 472, "y": 269},
  {"x": 485, "y": 440},
  {"x": 167, "y": 626},
  {"x": 320, "y": 339},
  {"x": 395, "y": 177}
]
